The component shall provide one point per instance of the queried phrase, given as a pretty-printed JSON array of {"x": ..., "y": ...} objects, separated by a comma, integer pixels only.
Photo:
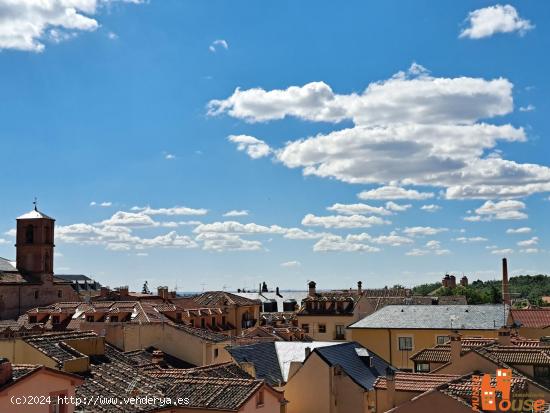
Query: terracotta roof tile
[{"x": 415, "y": 382}]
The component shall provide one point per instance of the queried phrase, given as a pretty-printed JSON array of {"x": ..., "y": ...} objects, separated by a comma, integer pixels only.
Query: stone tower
[{"x": 34, "y": 244}]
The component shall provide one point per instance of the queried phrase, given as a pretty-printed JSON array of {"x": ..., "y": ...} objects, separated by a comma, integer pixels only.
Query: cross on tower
[{"x": 35, "y": 203}]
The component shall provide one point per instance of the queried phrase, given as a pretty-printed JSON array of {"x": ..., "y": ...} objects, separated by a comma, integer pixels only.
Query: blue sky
[{"x": 135, "y": 105}]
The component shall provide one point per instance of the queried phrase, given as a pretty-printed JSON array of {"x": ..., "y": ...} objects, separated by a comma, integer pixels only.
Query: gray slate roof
[
  {"x": 463, "y": 317},
  {"x": 357, "y": 368},
  {"x": 6, "y": 265}
]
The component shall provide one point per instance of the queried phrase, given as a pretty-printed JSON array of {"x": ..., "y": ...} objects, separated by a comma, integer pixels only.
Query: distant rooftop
[{"x": 462, "y": 317}]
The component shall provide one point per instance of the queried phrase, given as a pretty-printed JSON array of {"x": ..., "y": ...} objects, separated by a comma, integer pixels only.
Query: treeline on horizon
[{"x": 524, "y": 290}]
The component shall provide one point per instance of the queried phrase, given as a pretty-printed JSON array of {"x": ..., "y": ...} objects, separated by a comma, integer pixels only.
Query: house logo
[{"x": 489, "y": 395}]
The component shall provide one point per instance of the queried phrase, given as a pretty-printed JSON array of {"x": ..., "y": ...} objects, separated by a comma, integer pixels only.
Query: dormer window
[
  {"x": 55, "y": 319},
  {"x": 90, "y": 318}
]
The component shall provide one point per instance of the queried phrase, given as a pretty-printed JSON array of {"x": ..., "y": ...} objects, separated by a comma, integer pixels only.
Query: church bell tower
[{"x": 34, "y": 243}]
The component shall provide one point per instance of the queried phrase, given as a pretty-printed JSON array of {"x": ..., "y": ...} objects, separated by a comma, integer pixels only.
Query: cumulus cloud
[
  {"x": 236, "y": 213},
  {"x": 529, "y": 242},
  {"x": 432, "y": 247},
  {"x": 27, "y": 24},
  {"x": 392, "y": 206},
  {"x": 351, "y": 243},
  {"x": 358, "y": 209},
  {"x": 342, "y": 221},
  {"x": 255, "y": 148},
  {"x": 528, "y": 108},
  {"x": 291, "y": 264},
  {"x": 468, "y": 240},
  {"x": 423, "y": 231},
  {"x": 227, "y": 242},
  {"x": 522, "y": 230},
  {"x": 177, "y": 210},
  {"x": 217, "y": 45},
  {"x": 502, "y": 210},
  {"x": 503, "y": 251},
  {"x": 430, "y": 208},
  {"x": 394, "y": 192},
  {"x": 411, "y": 129},
  {"x": 495, "y": 19}
]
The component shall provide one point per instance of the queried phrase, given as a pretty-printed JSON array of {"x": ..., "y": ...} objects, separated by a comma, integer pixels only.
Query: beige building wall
[
  {"x": 171, "y": 340},
  {"x": 330, "y": 322},
  {"x": 19, "y": 352},
  {"x": 41, "y": 383},
  {"x": 433, "y": 402},
  {"x": 385, "y": 342},
  {"x": 384, "y": 403}
]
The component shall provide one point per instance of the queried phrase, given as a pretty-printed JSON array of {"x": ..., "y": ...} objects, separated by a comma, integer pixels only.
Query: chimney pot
[
  {"x": 312, "y": 286},
  {"x": 359, "y": 287},
  {"x": 308, "y": 351},
  {"x": 390, "y": 387},
  {"x": 456, "y": 347}
]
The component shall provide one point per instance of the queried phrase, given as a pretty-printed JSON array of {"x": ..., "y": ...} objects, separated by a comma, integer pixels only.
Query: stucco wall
[
  {"x": 39, "y": 384},
  {"x": 378, "y": 340},
  {"x": 330, "y": 323},
  {"x": 17, "y": 351}
]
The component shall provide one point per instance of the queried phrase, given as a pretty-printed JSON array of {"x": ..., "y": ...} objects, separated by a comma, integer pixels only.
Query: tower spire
[{"x": 35, "y": 203}]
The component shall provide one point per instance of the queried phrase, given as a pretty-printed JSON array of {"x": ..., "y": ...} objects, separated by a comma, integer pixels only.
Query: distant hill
[{"x": 523, "y": 288}]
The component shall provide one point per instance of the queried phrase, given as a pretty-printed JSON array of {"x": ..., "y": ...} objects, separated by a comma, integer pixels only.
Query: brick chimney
[
  {"x": 504, "y": 338},
  {"x": 505, "y": 283},
  {"x": 456, "y": 347},
  {"x": 312, "y": 285},
  {"x": 307, "y": 351},
  {"x": 359, "y": 287},
  {"x": 6, "y": 371},
  {"x": 123, "y": 291},
  {"x": 104, "y": 291},
  {"x": 390, "y": 387},
  {"x": 162, "y": 292},
  {"x": 464, "y": 281}
]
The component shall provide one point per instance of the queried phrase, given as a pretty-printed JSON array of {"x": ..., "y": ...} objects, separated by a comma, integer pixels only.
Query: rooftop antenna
[
  {"x": 203, "y": 285},
  {"x": 35, "y": 203}
]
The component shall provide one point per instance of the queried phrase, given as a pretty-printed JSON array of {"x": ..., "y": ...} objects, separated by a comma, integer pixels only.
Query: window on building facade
[
  {"x": 322, "y": 328},
  {"x": 442, "y": 339},
  {"x": 193, "y": 323},
  {"x": 59, "y": 293},
  {"x": 36, "y": 293},
  {"x": 213, "y": 321},
  {"x": 114, "y": 319},
  {"x": 216, "y": 353},
  {"x": 55, "y": 319},
  {"x": 260, "y": 398},
  {"x": 224, "y": 321},
  {"x": 32, "y": 319},
  {"x": 340, "y": 332},
  {"x": 203, "y": 323},
  {"x": 305, "y": 327},
  {"x": 90, "y": 318},
  {"x": 422, "y": 367},
  {"x": 405, "y": 343}
]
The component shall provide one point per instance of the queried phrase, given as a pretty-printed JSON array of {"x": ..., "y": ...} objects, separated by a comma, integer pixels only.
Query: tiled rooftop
[
  {"x": 416, "y": 382},
  {"x": 224, "y": 370},
  {"x": 531, "y": 318},
  {"x": 222, "y": 298},
  {"x": 53, "y": 344}
]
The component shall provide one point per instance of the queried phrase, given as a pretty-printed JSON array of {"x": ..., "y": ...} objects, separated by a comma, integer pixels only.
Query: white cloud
[
  {"x": 12, "y": 232},
  {"x": 122, "y": 218},
  {"x": 297, "y": 233},
  {"x": 495, "y": 19},
  {"x": 236, "y": 213},
  {"x": 394, "y": 192},
  {"x": 468, "y": 240},
  {"x": 227, "y": 242},
  {"x": 502, "y": 210},
  {"x": 430, "y": 208},
  {"x": 254, "y": 148},
  {"x": 112, "y": 35},
  {"x": 530, "y": 251},
  {"x": 3, "y": 241},
  {"x": 529, "y": 242},
  {"x": 392, "y": 239},
  {"x": 238, "y": 228},
  {"x": 431, "y": 247},
  {"x": 522, "y": 230},
  {"x": 177, "y": 210},
  {"x": 358, "y": 209},
  {"x": 351, "y": 243},
  {"x": 291, "y": 264},
  {"x": 423, "y": 231},
  {"x": 106, "y": 204},
  {"x": 342, "y": 221},
  {"x": 169, "y": 156},
  {"x": 392, "y": 206},
  {"x": 218, "y": 44},
  {"x": 503, "y": 251},
  {"x": 27, "y": 24},
  {"x": 528, "y": 108},
  {"x": 412, "y": 129},
  {"x": 93, "y": 203}
]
